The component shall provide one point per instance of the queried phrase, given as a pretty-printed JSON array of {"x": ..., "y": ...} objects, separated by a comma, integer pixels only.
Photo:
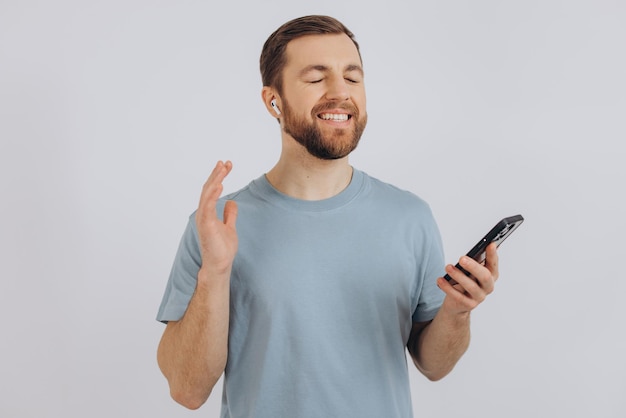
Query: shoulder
[{"x": 389, "y": 195}]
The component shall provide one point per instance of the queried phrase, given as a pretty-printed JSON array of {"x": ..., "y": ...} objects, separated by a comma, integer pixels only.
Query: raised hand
[{"x": 218, "y": 238}]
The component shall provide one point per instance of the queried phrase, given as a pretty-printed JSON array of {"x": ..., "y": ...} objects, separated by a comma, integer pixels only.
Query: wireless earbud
[{"x": 273, "y": 104}]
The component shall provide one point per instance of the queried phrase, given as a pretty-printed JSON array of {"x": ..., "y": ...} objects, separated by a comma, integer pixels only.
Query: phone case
[{"x": 498, "y": 234}]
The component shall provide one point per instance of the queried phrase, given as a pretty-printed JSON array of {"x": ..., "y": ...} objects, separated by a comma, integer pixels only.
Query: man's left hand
[{"x": 469, "y": 292}]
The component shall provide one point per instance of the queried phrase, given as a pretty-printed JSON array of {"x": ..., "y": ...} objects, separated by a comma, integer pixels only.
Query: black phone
[{"x": 498, "y": 234}]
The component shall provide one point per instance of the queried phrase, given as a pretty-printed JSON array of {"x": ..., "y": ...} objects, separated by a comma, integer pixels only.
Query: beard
[{"x": 332, "y": 146}]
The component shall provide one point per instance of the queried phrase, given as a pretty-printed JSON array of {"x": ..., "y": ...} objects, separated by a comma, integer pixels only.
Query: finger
[
  {"x": 450, "y": 289},
  {"x": 217, "y": 175},
  {"x": 492, "y": 260},
  {"x": 212, "y": 189},
  {"x": 480, "y": 274},
  {"x": 229, "y": 166},
  {"x": 465, "y": 284},
  {"x": 451, "y": 286},
  {"x": 230, "y": 213}
]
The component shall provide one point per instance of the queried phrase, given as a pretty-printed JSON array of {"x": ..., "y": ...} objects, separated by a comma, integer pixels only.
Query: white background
[{"x": 113, "y": 113}]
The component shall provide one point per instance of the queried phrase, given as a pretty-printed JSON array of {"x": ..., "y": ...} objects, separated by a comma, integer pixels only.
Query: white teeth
[{"x": 334, "y": 116}]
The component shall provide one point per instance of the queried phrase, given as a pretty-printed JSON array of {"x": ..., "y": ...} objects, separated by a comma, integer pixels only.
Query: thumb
[{"x": 230, "y": 213}]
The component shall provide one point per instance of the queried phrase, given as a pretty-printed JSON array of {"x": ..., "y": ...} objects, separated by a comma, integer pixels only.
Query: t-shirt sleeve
[
  {"x": 183, "y": 276},
  {"x": 430, "y": 297}
]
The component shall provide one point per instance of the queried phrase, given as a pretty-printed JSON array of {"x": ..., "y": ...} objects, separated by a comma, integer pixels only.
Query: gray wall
[{"x": 113, "y": 113}]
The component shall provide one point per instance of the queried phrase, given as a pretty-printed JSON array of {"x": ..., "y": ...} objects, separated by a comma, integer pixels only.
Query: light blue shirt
[{"x": 323, "y": 298}]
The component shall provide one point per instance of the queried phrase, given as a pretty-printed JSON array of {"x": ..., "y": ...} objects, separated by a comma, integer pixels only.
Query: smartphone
[{"x": 498, "y": 234}]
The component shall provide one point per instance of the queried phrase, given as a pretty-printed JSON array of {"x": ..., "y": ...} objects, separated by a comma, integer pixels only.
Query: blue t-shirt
[{"x": 323, "y": 298}]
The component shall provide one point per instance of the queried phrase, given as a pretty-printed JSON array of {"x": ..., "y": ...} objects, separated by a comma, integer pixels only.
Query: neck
[{"x": 309, "y": 178}]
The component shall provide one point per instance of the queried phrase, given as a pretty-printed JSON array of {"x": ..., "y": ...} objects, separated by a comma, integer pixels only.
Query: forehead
[{"x": 331, "y": 50}]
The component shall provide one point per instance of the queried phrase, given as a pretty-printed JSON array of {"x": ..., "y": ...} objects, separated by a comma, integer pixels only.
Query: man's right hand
[
  {"x": 193, "y": 351},
  {"x": 218, "y": 239}
]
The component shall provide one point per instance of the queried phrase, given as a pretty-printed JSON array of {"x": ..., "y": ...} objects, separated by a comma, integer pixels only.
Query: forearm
[
  {"x": 193, "y": 351},
  {"x": 441, "y": 344}
]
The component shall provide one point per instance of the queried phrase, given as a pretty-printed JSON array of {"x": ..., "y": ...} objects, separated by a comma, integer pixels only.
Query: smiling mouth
[{"x": 337, "y": 117}]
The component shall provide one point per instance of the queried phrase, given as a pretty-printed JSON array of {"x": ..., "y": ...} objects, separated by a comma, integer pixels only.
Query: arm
[
  {"x": 437, "y": 346},
  {"x": 193, "y": 351}
]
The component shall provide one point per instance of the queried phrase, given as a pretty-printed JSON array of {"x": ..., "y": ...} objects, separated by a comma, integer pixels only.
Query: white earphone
[{"x": 273, "y": 104}]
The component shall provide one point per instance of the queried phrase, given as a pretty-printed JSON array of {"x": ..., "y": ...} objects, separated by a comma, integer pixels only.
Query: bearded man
[{"x": 307, "y": 287}]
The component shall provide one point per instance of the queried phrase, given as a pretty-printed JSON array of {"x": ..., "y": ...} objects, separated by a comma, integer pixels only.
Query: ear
[{"x": 268, "y": 94}]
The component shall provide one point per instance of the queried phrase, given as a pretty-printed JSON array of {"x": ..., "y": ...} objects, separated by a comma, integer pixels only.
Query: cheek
[
  {"x": 301, "y": 109},
  {"x": 360, "y": 101}
]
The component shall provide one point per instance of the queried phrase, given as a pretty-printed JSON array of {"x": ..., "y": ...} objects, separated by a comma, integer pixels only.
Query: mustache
[{"x": 347, "y": 106}]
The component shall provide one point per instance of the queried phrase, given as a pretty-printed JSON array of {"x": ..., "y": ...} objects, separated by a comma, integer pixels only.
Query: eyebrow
[{"x": 325, "y": 69}]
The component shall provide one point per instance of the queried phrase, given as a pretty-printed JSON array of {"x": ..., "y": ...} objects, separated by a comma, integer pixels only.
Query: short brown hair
[{"x": 273, "y": 57}]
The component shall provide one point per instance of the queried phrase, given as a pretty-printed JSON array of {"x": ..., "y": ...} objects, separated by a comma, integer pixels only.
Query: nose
[{"x": 338, "y": 89}]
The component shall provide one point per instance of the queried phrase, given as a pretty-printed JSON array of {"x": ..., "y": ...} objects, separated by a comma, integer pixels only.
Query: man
[{"x": 305, "y": 287}]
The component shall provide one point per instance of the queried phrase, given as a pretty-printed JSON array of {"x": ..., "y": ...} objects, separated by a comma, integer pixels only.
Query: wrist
[
  {"x": 454, "y": 315},
  {"x": 212, "y": 275}
]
